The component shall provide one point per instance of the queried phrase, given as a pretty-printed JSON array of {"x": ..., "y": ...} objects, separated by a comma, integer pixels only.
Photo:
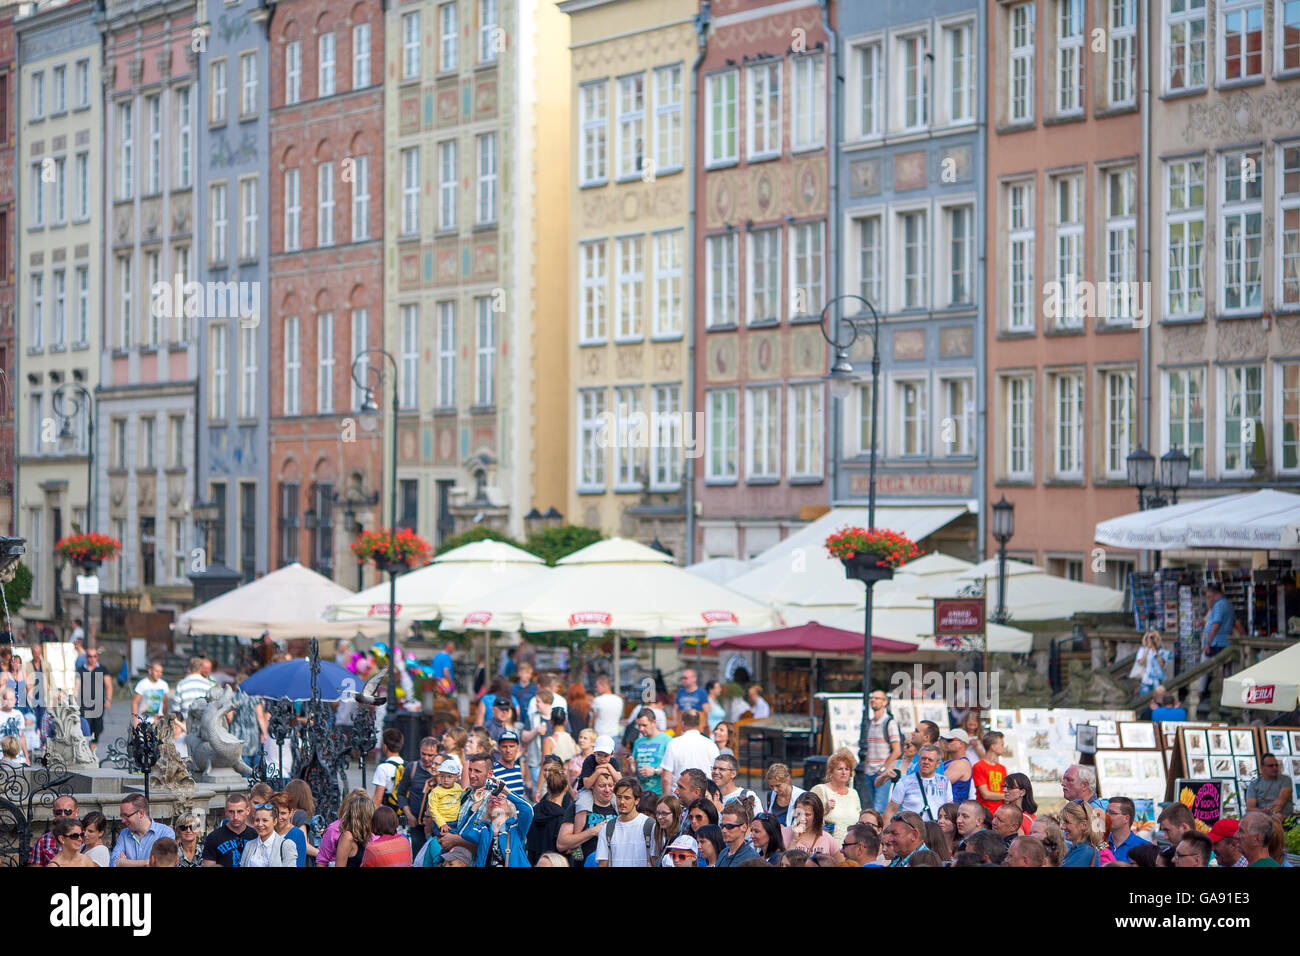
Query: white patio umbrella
[
  {"x": 1033, "y": 594},
  {"x": 1272, "y": 684},
  {"x": 718, "y": 570},
  {"x": 915, "y": 521},
  {"x": 461, "y": 574},
  {"x": 811, "y": 576},
  {"x": 287, "y": 603},
  {"x": 915, "y": 623},
  {"x": 1255, "y": 520}
]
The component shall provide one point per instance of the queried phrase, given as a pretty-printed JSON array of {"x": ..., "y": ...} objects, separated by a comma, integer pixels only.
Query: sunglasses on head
[{"x": 264, "y": 806}]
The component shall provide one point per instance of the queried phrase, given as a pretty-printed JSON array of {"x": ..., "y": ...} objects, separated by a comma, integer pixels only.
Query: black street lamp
[
  {"x": 1175, "y": 471},
  {"x": 70, "y": 400},
  {"x": 360, "y": 375},
  {"x": 842, "y": 381},
  {"x": 1004, "y": 529}
]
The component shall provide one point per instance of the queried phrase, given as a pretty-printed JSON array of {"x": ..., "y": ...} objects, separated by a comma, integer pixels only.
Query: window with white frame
[
  {"x": 1240, "y": 225},
  {"x": 959, "y": 224},
  {"x": 1121, "y": 245},
  {"x": 410, "y": 376},
  {"x": 911, "y": 407},
  {"x": 1068, "y": 418},
  {"x": 808, "y": 111},
  {"x": 325, "y": 65},
  {"x": 1241, "y": 39},
  {"x": 914, "y": 257},
  {"x": 1121, "y": 55},
  {"x": 325, "y": 204},
  {"x": 762, "y": 433},
  {"x": 1185, "y": 414},
  {"x": 411, "y": 45},
  {"x": 448, "y": 183},
  {"x": 324, "y": 363},
  {"x": 217, "y": 218},
  {"x": 153, "y": 273},
  {"x": 807, "y": 427},
  {"x": 914, "y": 66},
  {"x": 764, "y": 275},
  {"x": 667, "y": 312},
  {"x": 629, "y": 289},
  {"x": 248, "y": 218},
  {"x": 446, "y": 354},
  {"x": 126, "y": 150},
  {"x": 60, "y": 191},
  {"x": 959, "y": 54},
  {"x": 82, "y": 80},
  {"x": 1018, "y": 424},
  {"x": 360, "y": 56},
  {"x": 722, "y": 458},
  {"x": 720, "y": 280},
  {"x": 668, "y": 117},
  {"x": 38, "y": 94},
  {"x": 807, "y": 268},
  {"x": 448, "y": 38},
  {"x": 360, "y": 358},
  {"x": 292, "y": 365},
  {"x": 179, "y": 555},
  {"x": 485, "y": 350},
  {"x": 292, "y": 72},
  {"x": 720, "y": 136},
  {"x": 83, "y": 307},
  {"x": 1243, "y": 413},
  {"x": 360, "y": 198},
  {"x": 870, "y": 260},
  {"x": 594, "y": 120},
  {"x": 292, "y": 210},
  {"x": 1069, "y": 57},
  {"x": 183, "y": 269},
  {"x": 1020, "y": 257},
  {"x": 1067, "y": 208},
  {"x": 486, "y": 207},
  {"x": 35, "y": 535},
  {"x": 488, "y": 39},
  {"x": 59, "y": 90},
  {"x": 217, "y": 92},
  {"x": 153, "y": 115},
  {"x": 591, "y": 451},
  {"x": 247, "y": 84},
  {"x": 59, "y": 339},
  {"x": 1121, "y": 420},
  {"x": 219, "y": 367},
  {"x": 870, "y": 83},
  {"x": 36, "y": 204},
  {"x": 1287, "y": 31},
  {"x": 1020, "y": 87},
  {"x": 1184, "y": 45},
  {"x": 410, "y": 191},
  {"x": 248, "y": 371},
  {"x": 184, "y": 137},
  {"x": 957, "y": 426},
  {"x": 763, "y": 110},
  {"x": 34, "y": 428},
  {"x": 1287, "y": 378},
  {"x": 1185, "y": 237},
  {"x": 629, "y": 413},
  {"x": 593, "y": 277},
  {"x": 126, "y": 316},
  {"x": 176, "y": 441},
  {"x": 82, "y": 171},
  {"x": 1288, "y": 250}
]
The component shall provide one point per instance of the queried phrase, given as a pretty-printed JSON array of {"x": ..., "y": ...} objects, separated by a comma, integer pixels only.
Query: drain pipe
[
  {"x": 702, "y": 21},
  {"x": 1144, "y": 259},
  {"x": 833, "y": 80}
]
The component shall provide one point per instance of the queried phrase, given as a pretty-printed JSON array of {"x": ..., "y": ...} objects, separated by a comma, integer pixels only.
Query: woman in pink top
[{"x": 805, "y": 831}]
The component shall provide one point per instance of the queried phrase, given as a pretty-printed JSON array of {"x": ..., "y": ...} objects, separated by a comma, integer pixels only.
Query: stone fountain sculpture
[
  {"x": 212, "y": 745},
  {"x": 69, "y": 744}
]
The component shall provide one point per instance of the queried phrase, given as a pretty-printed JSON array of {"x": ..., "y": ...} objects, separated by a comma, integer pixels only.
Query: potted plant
[
  {"x": 88, "y": 550},
  {"x": 871, "y": 554},
  {"x": 392, "y": 552}
]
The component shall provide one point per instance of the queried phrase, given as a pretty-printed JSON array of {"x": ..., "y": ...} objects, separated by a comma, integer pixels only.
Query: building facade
[
  {"x": 1065, "y": 314},
  {"x": 327, "y": 185},
  {"x": 58, "y": 265},
  {"x": 8, "y": 236}
]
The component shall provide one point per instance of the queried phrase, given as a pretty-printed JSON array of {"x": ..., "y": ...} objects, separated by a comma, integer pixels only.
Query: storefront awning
[{"x": 1257, "y": 521}]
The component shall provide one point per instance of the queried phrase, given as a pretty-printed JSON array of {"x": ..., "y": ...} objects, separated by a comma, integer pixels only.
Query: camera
[{"x": 495, "y": 787}]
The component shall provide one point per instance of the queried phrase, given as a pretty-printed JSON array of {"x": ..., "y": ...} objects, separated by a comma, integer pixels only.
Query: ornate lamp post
[{"x": 1004, "y": 529}]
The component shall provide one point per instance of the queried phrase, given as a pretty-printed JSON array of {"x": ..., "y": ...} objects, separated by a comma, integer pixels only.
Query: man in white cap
[
  {"x": 683, "y": 851},
  {"x": 956, "y": 766},
  {"x": 689, "y": 749}
]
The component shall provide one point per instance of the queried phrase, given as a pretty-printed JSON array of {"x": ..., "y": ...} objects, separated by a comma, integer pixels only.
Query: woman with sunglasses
[
  {"x": 67, "y": 833},
  {"x": 765, "y": 834},
  {"x": 93, "y": 827},
  {"x": 190, "y": 850},
  {"x": 806, "y": 831},
  {"x": 701, "y": 813}
]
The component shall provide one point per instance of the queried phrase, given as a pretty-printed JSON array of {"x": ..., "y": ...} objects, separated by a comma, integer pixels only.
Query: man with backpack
[
  {"x": 388, "y": 772},
  {"x": 627, "y": 840},
  {"x": 410, "y": 794},
  {"x": 884, "y": 747}
]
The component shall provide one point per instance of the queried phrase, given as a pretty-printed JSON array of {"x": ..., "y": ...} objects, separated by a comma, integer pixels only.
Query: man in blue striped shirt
[{"x": 506, "y": 765}]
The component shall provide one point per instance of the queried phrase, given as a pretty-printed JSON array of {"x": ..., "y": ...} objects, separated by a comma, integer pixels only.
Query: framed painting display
[
  {"x": 1138, "y": 735},
  {"x": 1243, "y": 743},
  {"x": 1195, "y": 743},
  {"x": 1277, "y": 742},
  {"x": 1220, "y": 743}
]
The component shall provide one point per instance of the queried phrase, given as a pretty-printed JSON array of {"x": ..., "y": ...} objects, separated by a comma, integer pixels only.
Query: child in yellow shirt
[{"x": 443, "y": 805}]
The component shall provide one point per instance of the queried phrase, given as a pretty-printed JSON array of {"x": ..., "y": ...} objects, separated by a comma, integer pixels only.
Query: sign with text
[
  {"x": 956, "y": 485},
  {"x": 1204, "y": 798},
  {"x": 958, "y": 616}
]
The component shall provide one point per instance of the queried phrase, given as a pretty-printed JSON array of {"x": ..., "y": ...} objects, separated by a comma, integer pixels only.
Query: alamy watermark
[
  {"x": 207, "y": 300},
  {"x": 626, "y": 428},
  {"x": 957, "y": 689}
]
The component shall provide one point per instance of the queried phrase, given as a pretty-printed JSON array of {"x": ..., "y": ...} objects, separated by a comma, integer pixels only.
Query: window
[
  {"x": 1020, "y": 257},
  {"x": 1121, "y": 421},
  {"x": 126, "y": 316},
  {"x": 722, "y": 458},
  {"x": 961, "y": 73},
  {"x": 1288, "y": 381},
  {"x": 1288, "y": 35},
  {"x": 82, "y": 173},
  {"x": 486, "y": 209},
  {"x": 485, "y": 352},
  {"x": 720, "y": 266},
  {"x": 1185, "y": 414},
  {"x": 37, "y": 204},
  {"x": 911, "y": 401},
  {"x": 629, "y": 412},
  {"x": 410, "y": 377},
  {"x": 411, "y": 45},
  {"x": 176, "y": 537},
  {"x": 217, "y": 92},
  {"x": 762, "y": 433},
  {"x": 1121, "y": 245},
  {"x": 292, "y": 365},
  {"x": 247, "y": 84},
  {"x": 217, "y": 250},
  {"x": 322, "y": 543},
  {"x": 148, "y": 439},
  {"x": 60, "y": 191},
  {"x": 591, "y": 451},
  {"x": 667, "y": 312},
  {"x": 1288, "y": 250},
  {"x": 60, "y": 336},
  {"x": 629, "y": 302},
  {"x": 869, "y": 87},
  {"x": 325, "y": 65},
  {"x": 38, "y": 94},
  {"x": 913, "y": 239},
  {"x": 410, "y": 494},
  {"x": 595, "y": 122},
  {"x": 1069, "y": 57},
  {"x": 411, "y": 191},
  {"x": 325, "y": 363},
  {"x": 807, "y": 268},
  {"x": 1121, "y": 59},
  {"x": 187, "y": 275},
  {"x": 360, "y": 198},
  {"x": 289, "y": 492},
  {"x": 293, "y": 72},
  {"x": 325, "y": 204},
  {"x": 1021, "y": 85},
  {"x": 916, "y": 93},
  {"x": 82, "y": 78},
  {"x": 592, "y": 278},
  {"x": 808, "y": 116},
  {"x": 448, "y": 177},
  {"x": 1240, "y": 217},
  {"x": 763, "y": 117},
  {"x": 807, "y": 426},
  {"x": 153, "y": 112},
  {"x": 248, "y": 219},
  {"x": 1018, "y": 420},
  {"x": 957, "y": 427},
  {"x": 764, "y": 277},
  {"x": 248, "y": 371},
  {"x": 1184, "y": 44},
  {"x": 292, "y": 210},
  {"x": 36, "y": 541},
  {"x": 668, "y": 118},
  {"x": 176, "y": 430},
  {"x": 360, "y": 359},
  {"x": 34, "y": 419},
  {"x": 961, "y": 254},
  {"x": 1067, "y": 193},
  {"x": 83, "y": 307},
  {"x": 126, "y": 150},
  {"x": 1241, "y": 28},
  {"x": 37, "y": 327},
  {"x": 1185, "y": 237},
  {"x": 870, "y": 272},
  {"x": 59, "y": 90},
  {"x": 218, "y": 370},
  {"x": 1067, "y": 430},
  {"x": 720, "y": 136},
  {"x": 487, "y": 31},
  {"x": 153, "y": 275},
  {"x": 448, "y": 37},
  {"x": 446, "y": 354},
  {"x": 1243, "y": 393},
  {"x": 361, "y": 56},
  {"x": 631, "y": 126},
  {"x": 184, "y": 138}
]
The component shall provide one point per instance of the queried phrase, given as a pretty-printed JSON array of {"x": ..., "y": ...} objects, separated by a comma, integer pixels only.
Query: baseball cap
[
  {"x": 450, "y": 765},
  {"x": 457, "y": 855},
  {"x": 686, "y": 844},
  {"x": 1225, "y": 828},
  {"x": 508, "y": 735},
  {"x": 956, "y": 734},
  {"x": 604, "y": 744},
  {"x": 502, "y": 702}
]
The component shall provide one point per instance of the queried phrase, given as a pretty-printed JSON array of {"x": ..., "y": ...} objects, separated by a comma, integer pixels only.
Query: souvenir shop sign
[{"x": 958, "y": 617}]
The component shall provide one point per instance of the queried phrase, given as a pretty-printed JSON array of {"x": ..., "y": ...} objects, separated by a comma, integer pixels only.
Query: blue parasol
[{"x": 292, "y": 679}]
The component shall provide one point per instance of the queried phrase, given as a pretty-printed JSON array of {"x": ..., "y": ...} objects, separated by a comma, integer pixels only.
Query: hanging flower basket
[
  {"x": 88, "y": 550},
  {"x": 871, "y": 555},
  {"x": 392, "y": 552}
]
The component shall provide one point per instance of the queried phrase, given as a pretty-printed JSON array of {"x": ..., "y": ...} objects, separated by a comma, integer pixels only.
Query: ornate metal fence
[{"x": 21, "y": 792}]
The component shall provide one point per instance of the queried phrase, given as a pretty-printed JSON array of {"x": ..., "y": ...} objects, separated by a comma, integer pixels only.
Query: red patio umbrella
[{"x": 810, "y": 638}]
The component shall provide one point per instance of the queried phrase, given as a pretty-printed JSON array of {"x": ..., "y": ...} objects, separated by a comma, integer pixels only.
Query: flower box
[
  {"x": 871, "y": 554},
  {"x": 88, "y": 550},
  {"x": 392, "y": 552}
]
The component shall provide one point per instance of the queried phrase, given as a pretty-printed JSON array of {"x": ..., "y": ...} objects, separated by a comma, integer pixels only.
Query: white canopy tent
[
  {"x": 915, "y": 521},
  {"x": 287, "y": 603},
  {"x": 1272, "y": 684},
  {"x": 1256, "y": 520},
  {"x": 718, "y": 570},
  {"x": 915, "y": 622},
  {"x": 1033, "y": 594}
]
